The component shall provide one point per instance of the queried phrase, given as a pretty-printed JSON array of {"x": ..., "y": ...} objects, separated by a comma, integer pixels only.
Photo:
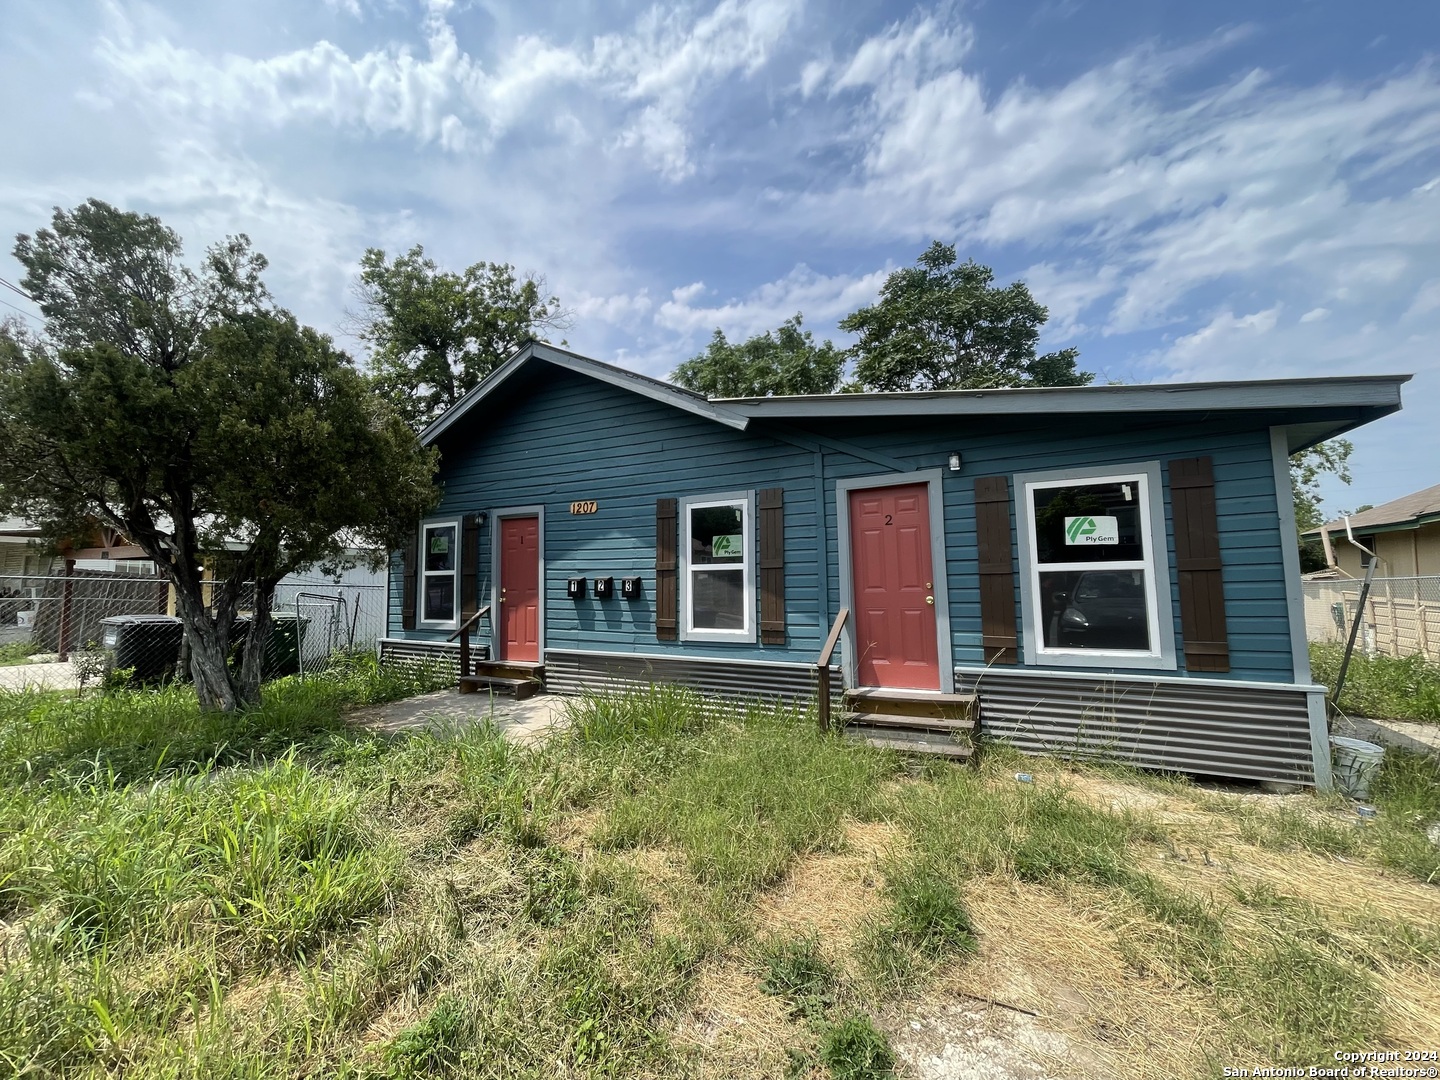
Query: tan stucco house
[{"x": 1404, "y": 533}]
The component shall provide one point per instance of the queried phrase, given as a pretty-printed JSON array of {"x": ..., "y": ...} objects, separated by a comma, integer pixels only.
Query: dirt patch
[
  {"x": 968, "y": 1041},
  {"x": 733, "y": 1029},
  {"x": 1051, "y": 994},
  {"x": 831, "y": 895}
]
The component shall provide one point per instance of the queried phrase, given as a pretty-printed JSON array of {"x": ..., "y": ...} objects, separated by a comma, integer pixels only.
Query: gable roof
[
  {"x": 1318, "y": 408},
  {"x": 1407, "y": 512},
  {"x": 664, "y": 392}
]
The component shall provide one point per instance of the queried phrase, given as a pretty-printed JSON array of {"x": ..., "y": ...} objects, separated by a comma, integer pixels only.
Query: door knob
[{"x": 930, "y": 600}]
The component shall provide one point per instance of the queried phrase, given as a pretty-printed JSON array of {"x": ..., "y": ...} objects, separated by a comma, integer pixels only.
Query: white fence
[{"x": 1401, "y": 615}]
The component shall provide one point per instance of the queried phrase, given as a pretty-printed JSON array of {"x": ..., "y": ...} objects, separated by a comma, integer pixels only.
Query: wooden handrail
[
  {"x": 470, "y": 622},
  {"x": 822, "y": 670},
  {"x": 463, "y": 633},
  {"x": 834, "y": 637}
]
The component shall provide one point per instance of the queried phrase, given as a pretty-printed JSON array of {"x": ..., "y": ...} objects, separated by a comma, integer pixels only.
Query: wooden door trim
[
  {"x": 933, "y": 479},
  {"x": 536, "y": 511}
]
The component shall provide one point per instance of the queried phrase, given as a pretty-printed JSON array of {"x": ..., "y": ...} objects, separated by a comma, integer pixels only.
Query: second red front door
[
  {"x": 519, "y": 637},
  {"x": 894, "y": 592}
]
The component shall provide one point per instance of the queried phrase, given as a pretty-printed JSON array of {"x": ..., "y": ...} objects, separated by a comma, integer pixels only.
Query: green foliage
[
  {"x": 795, "y": 971},
  {"x": 1307, "y": 469},
  {"x": 925, "y": 920},
  {"x": 939, "y": 326},
  {"x": 17, "y": 652},
  {"x": 434, "y": 1045},
  {"x": 786, "y": 361},
  {"x": 284, "y": 444},
  {"x": 434, "y": 334},
  {"x": 1380, "y": 687},
  {"x": 854, "y": 1049}
]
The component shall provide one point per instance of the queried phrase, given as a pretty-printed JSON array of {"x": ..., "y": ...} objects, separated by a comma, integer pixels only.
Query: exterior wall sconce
[
  {"x": 954, "y": 460},
  {"x": 481, "y": 518}
]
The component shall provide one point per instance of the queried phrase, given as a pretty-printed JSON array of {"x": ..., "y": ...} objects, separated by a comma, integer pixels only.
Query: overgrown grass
[
  {"x": 1380, "y": 687},
  {"x": 277, "y": 894},
  {"x": 134, "y": 734},
  {"x": 1406, "y": 791},
  {"x": 17, "y": 652},
  {"x": 747, "y": 797}
]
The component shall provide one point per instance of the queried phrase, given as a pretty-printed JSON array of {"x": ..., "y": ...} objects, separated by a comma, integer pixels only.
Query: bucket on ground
[{"x": 1356, "y": 763}]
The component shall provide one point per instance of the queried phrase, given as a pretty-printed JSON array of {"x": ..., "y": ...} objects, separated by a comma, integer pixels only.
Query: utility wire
[
  {"x": 17, "y": 289},
  {"x": 27, "y": 314}
]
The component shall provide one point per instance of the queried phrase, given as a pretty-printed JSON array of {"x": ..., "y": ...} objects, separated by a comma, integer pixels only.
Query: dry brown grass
[
  {"x": 1055, "y": 954},
  {"x": 831, "y": 895},
  {"x": 733, "y": 1029}
]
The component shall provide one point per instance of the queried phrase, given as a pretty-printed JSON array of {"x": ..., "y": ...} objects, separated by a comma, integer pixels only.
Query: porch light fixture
[{"x": 954, "y": 460}]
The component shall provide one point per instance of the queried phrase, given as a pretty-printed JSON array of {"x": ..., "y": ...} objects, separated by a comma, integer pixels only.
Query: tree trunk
[
  {"x": 257, "y": 641},
  {"x": 208, "y": 649}
]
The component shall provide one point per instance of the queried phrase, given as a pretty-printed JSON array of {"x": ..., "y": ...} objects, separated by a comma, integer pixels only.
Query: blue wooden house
[{"x": 1103, "y": 569}]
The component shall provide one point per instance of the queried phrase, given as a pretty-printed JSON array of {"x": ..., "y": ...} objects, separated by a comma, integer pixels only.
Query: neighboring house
[
  {"x": 1110, "y": 568},
  {"x": 20, "y": 551},
  {"x": 1404, "y": 533}
]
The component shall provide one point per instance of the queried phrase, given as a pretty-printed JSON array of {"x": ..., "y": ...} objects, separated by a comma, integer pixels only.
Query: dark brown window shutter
[
  {"x": 997, "y": 570},
  {"x": 1197, "y": 559},
  {"x": 666, "y": 572},
  {"x": 772, "y": 565},
  {"x": 469, "y": 567},
  {"x": 409, "y": 567}
]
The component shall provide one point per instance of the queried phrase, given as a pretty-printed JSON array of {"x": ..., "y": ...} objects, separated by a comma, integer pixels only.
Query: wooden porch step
[
  {"x": 914, "y": 742},
  {"x": 520, "y": 689},
  {"x": 889, "y": 720},
  {"x": 918, "y": 703},
  {"x": 509, "y": 669}
]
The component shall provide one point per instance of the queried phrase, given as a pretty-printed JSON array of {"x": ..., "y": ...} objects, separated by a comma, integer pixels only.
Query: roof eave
[{"x": 1363, "y": 391}]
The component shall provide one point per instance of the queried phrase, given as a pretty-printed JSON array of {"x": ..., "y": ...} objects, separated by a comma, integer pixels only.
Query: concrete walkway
[
  {"x": 38, "y": 676},
  {"x": 1403, "y": 734},
  {"x": 523, "y": 721}
]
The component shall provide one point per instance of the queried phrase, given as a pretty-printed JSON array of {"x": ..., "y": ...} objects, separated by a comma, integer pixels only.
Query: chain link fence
[
  {"x": 69, "y": 630},
  {"x": 1401, "y": 615}
]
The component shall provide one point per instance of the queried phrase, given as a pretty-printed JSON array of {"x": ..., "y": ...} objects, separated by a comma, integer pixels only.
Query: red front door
[
  {"x": 520, "y": 588},
  {"x": 894, "y": 588}
]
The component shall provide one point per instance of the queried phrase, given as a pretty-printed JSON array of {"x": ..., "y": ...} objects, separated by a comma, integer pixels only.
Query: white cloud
[
  {"x": 819, "y": 297},
  {"x": 648, "y": 76},
  {"x": 1427, "y": 299},
  {"x": 1315, "y": 315}
]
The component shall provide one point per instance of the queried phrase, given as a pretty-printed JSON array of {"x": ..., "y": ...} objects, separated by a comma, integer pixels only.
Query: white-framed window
[
  {"x": 440, "y": 574},
  {"x": 1095, "y": 583},
  {"x": 717, "y": 545}
]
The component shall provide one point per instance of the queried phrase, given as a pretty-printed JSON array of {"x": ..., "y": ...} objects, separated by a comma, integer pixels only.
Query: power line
[
  {"x": 17, "y": 289},
  {"x": 27, "y": 314}
]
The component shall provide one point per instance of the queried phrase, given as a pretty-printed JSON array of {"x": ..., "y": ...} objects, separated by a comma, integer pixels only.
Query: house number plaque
[{"x": 588, "y": 506}]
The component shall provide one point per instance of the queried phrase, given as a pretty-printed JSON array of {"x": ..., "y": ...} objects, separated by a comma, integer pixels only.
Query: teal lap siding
[{"x": 568, "y": 438}]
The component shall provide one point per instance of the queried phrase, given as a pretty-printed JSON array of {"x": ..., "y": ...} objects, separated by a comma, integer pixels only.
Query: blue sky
[{"x": 1196, "y": 191}]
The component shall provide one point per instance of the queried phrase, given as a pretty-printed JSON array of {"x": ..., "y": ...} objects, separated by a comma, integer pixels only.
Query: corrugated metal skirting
[
  {"x": 573, "y": 672},
  {"x": 1192, "y": 726},
  {"x": 400, "y": 651}
]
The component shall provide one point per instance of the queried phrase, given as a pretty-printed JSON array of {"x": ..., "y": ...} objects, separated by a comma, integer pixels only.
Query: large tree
[
  {"x": 785, "y": 361},
  {"x": 1306, "y": 470},
  {"x": 178, "y": 406},
  {"x": 939, "y": 326},
  {"x": 434, "y": 334}
]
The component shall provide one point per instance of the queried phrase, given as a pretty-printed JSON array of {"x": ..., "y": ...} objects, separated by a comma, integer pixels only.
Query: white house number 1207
[{"x": 586, "y": 507}]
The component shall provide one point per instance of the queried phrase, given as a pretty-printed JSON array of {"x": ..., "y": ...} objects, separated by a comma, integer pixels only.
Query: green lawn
[{"x": 281, "y": 895}]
